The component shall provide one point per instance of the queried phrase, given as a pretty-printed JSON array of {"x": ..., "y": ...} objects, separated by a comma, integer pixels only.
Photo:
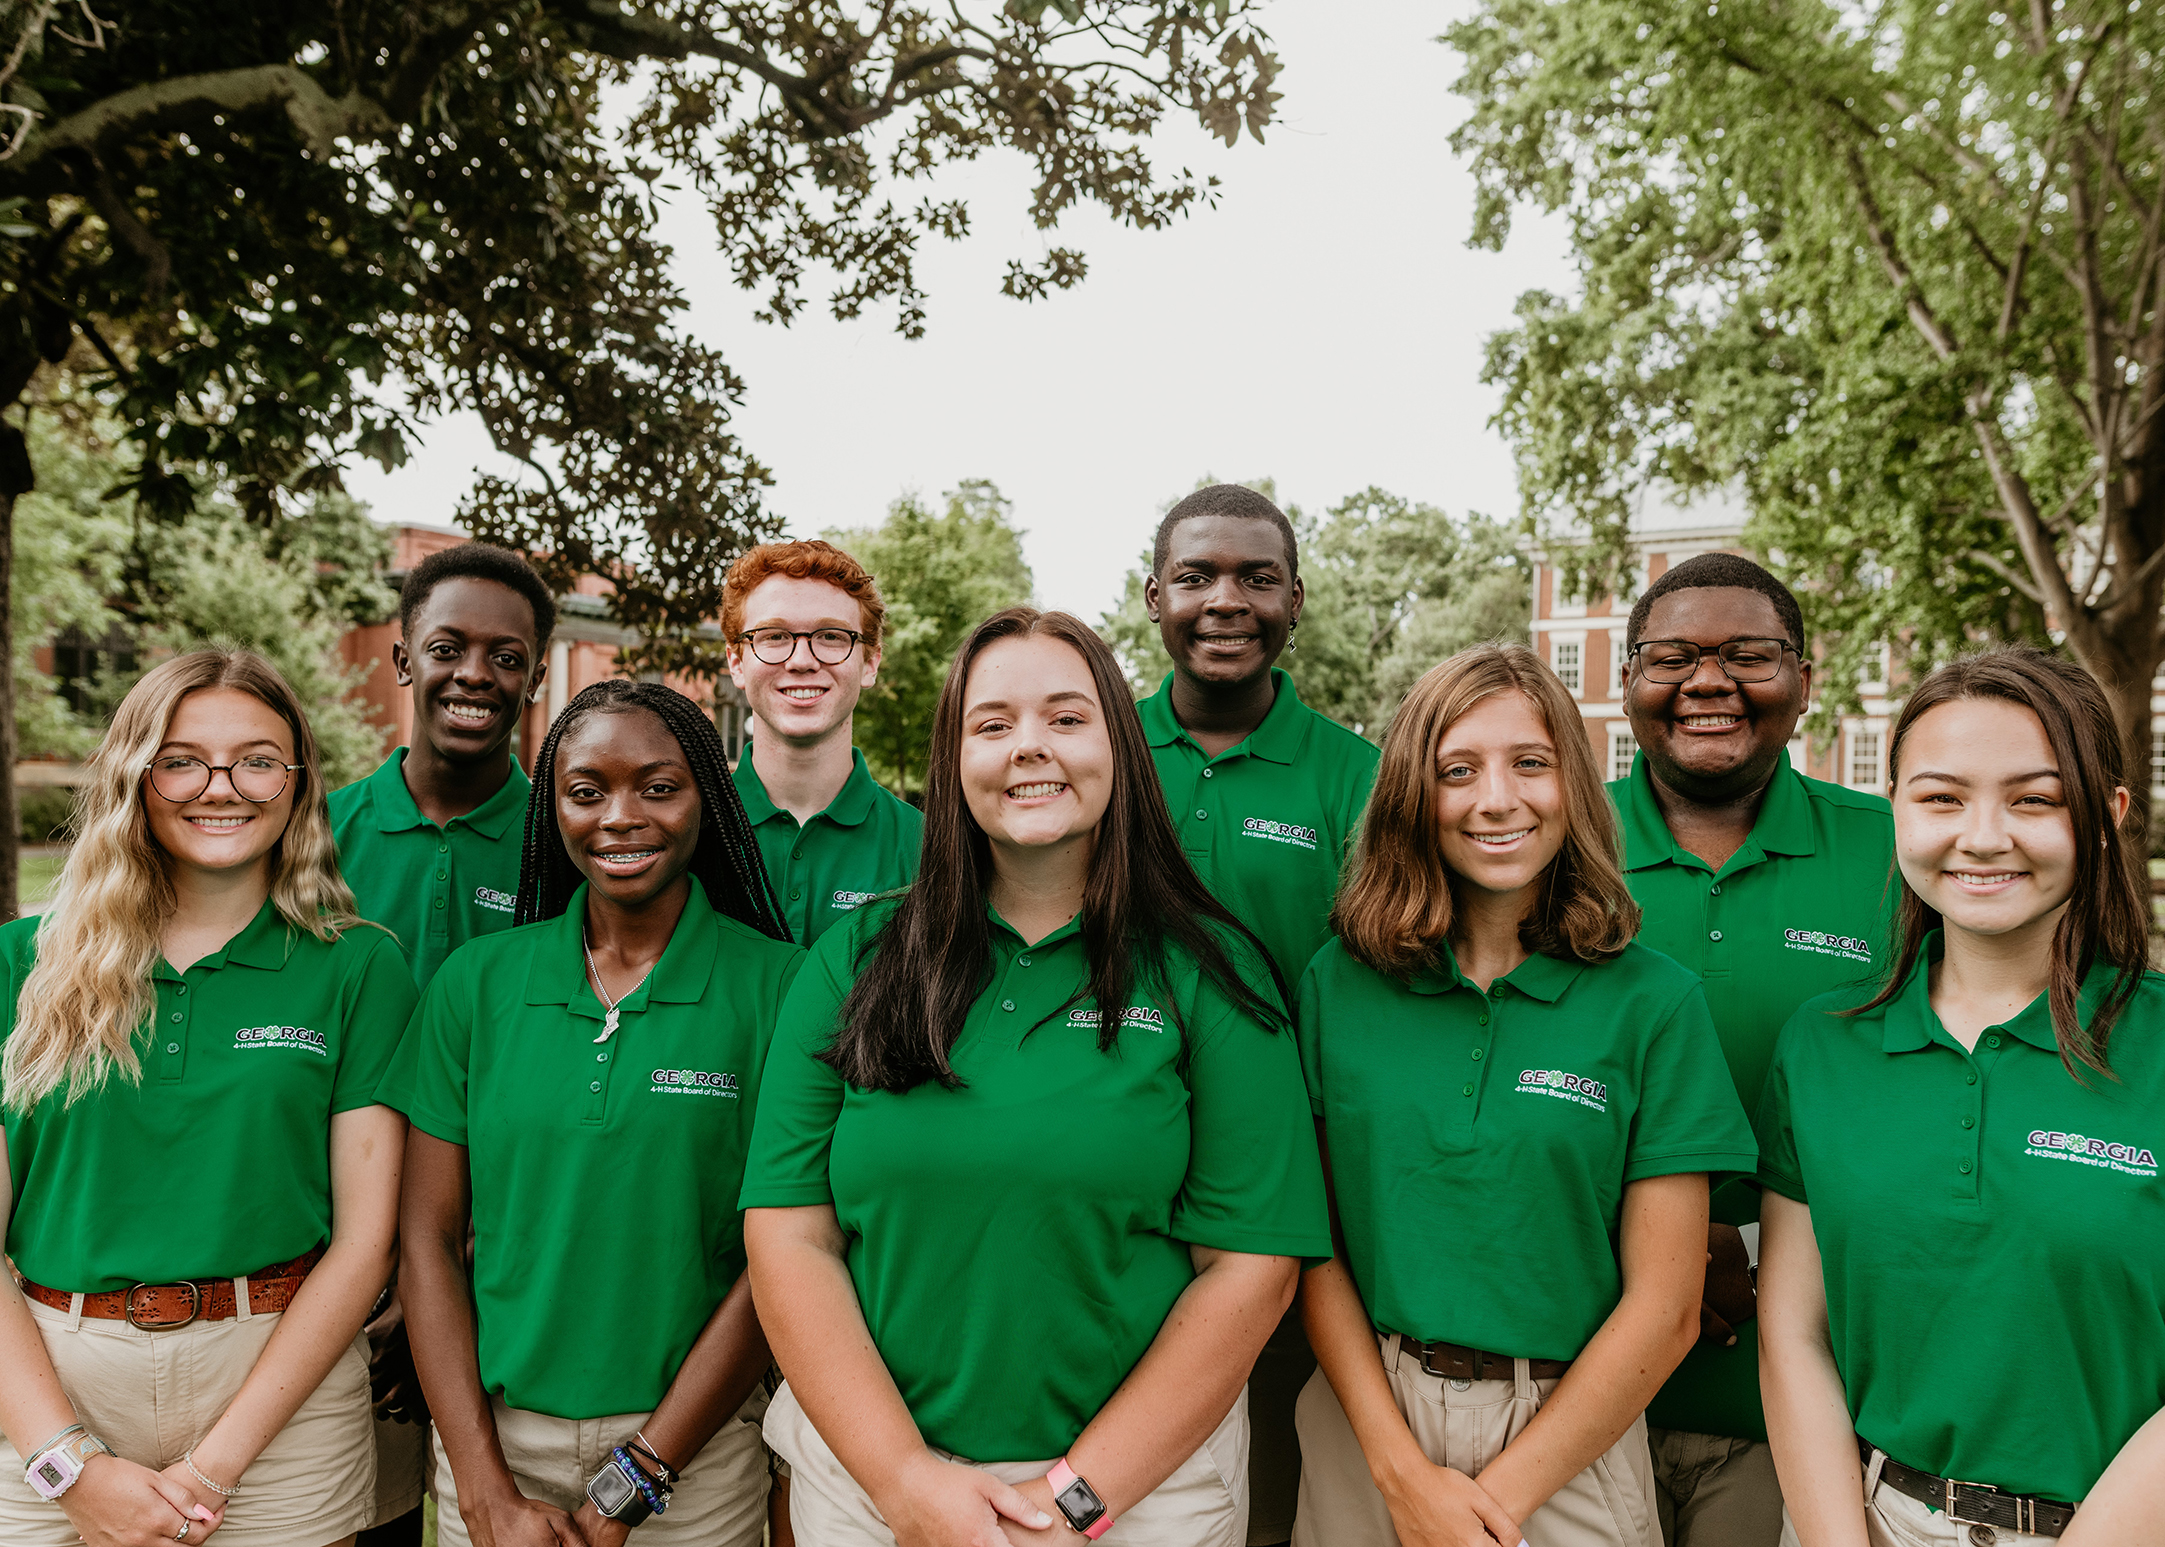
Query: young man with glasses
[
  {"x": 803, "y": 624},
  {"x": 1774, "y": 888}
]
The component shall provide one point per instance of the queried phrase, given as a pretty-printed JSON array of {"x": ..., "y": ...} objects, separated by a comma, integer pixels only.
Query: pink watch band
[{"x": 1062, "y": 1477}]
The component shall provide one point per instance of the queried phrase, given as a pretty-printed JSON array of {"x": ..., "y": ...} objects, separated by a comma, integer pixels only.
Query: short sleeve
[
  {"x": 1308, "y": 1031},
  {"x": 427, "y": 1079},
  {"x": 1688, "y": 1117},
  {"x": 1779, "y": 1170},
  {"x": 1254, "y": 1181},
  {"x": 800, "y": 1097},
  {"x": 381, "y": 1003}
]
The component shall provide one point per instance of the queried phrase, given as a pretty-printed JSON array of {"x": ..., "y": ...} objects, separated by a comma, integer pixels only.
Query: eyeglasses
[
  {"x": 1677, "y": 660},
  {"x": 257, "y": 780},
  {"x": 830, "y": 646}
]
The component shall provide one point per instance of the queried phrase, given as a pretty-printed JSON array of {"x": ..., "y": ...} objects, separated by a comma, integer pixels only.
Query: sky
[{"x": 1323, "y": 325}]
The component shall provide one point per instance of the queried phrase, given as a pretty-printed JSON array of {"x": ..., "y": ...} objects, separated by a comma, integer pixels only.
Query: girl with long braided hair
[{"x": 581, "y": 1090}]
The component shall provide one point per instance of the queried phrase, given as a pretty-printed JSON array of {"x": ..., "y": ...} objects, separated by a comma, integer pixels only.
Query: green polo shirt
[
  {"x": 1017, "y": 1242},
  {"x": 1514, "y": 1119},
  {"x": 605, "y": 1214},
  {"x": 863, "y": 844},
  {"x": 1267, "y": 822},
  {"x": 1800, "y": 910},
  {"x": 218, "y": 1162},
  {"x": 434, "y": 887},
  {"x": 1992, "y": 1228}
]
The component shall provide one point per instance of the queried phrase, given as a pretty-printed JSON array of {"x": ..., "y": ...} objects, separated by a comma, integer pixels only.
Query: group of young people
[{"x": 1193, "y": 1128}]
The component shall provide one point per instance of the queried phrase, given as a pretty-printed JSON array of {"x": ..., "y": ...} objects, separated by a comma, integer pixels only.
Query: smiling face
[
  {"x": 1036, "y": 756},
  {"x": 1226, "y": 600},
  {"x": 1981, "y": 828},
  {"x": 626, "y": 805},
  {"x": 474, "y": 662},
  {"x": 218, "y": 831},
  {"x": 1500, "y": 818},
  {"x": 1711, "y": 739},
  {"x": 803, "y": 700}
]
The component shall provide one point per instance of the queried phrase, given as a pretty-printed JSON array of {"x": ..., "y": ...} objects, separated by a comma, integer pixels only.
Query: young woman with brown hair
[
  {"x": 204, "y": 1191},
  {"x": 1520, "y": 1109},
  {"x": 1030, "y": 1169},
  {"x": 1962, "y": 1279}
]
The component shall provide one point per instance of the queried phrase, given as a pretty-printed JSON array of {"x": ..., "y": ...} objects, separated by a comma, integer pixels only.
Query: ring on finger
[{"x": 185, "y": 1527}]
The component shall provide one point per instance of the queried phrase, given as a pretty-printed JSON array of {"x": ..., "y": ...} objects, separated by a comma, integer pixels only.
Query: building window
[
  {"x": 1864, "y": 759},
  {"x": 1568, "y": 652},
  {"x": 2157, "y": 757},
  {"x": 1617, "y": 656},
  {"x": 1623, "y": 746},
  {"x": 79, "y": 661}
]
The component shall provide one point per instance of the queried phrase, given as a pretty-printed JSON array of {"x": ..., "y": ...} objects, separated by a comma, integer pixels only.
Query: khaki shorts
[
  {"x": 1894, "y": 1519},
  {"x": 1203, "y": 1504},
  {"x": 153, "y": 1395},
  {"x": 720, "y": 1501},
  {"x": 1464, "y": 1425}
]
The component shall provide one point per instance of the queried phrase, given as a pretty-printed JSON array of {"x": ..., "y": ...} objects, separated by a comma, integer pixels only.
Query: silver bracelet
[
  {"x": 32, "y": 1459},
  {"x": 196, "y": 1472}
]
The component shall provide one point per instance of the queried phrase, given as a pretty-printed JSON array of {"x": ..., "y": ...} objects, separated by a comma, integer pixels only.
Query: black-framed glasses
[
  {"x": 830, "y": 646},
  {"x": 1744, "y": 660},
  {"x": 257, "y": 780}
]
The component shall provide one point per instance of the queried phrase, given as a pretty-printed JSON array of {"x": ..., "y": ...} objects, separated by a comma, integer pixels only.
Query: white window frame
[
  {"x": 1574, "y": 680},
  {"x": 1850, "y": 749},
  {"x": 2157, "y": 759},
  {"x": 1623, "y": 747},
  {"x": 1560, "y": 605},
  {"x": 1616, "y": 663}
]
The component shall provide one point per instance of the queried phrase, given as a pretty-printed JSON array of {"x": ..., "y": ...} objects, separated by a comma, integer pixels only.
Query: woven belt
[
  {"x": 1453, "y": 1362},
  {"x": 1973, "y": 1504},
  {"x": 160, "y": 1307}
]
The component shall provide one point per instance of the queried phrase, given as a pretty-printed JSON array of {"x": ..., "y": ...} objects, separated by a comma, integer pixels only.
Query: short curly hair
[
  {"x": 478, "y": 561},
  {"x": 1714, "y": 571},
  {"x": 806, "y": 559}
]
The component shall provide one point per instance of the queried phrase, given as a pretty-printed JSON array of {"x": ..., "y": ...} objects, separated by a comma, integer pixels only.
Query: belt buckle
[
  {"x": 1474, "y": 1369},
  {"x": 1953, "y": 1491},
  {"x": 195, "y": 1307}
]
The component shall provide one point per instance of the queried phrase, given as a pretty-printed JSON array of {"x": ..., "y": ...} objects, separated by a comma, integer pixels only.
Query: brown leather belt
[
  {"x": 1972, "y": 1504},
  {"x": 1453, "y": 1362},
  {"x": 160, "y": 1307}
]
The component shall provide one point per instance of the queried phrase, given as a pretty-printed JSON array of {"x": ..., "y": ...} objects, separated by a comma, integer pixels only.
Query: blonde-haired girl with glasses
[{"x": 201, "y": 1194}]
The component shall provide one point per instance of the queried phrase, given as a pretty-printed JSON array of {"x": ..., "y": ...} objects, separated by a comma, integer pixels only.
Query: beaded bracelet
[
  {"x": 194, "y": 1471},
  {"x": 657, "y": 1499}
]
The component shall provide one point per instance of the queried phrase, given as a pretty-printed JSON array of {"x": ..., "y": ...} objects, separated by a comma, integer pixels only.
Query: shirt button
[
  {"x": 596, "y": 1085},
  {"x": 443, "y": 875},
  {"x": 1716, "y": 890},
  {"x": 1007, "y": 1004},
  {"x": 1969, "y": 1122},
  {"x": 796, "y": 854},
  {"x": 1477, "y": 1055},
  {"x": 601, "y": 1058},
  {"x": 793, "y": 896},
  {"x": 1208, "y": 772},
  {"x": 1465, "y": 1090},
  {"x": 176, "y": 1017},
  {"x": 180, "y": 988},
  {"x": 1973, "y": 1076},
  {"x": 1022, "y": 961},
  {"x": 439, "y": 902},
  {"x": 1993, "y": 1040},
  {"x": 172, "y": 1047},
  {"x": 1964, "y": 1168},
  {"x": 443, "y": 848},
  {"x": 1713, "y": 934},
  {"x": 1484, "y": 1020},
  {"x": 1202, "y": 816}
]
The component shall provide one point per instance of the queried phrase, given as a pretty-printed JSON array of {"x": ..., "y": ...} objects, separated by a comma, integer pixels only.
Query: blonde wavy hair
[
  {"x": 1396, "y": 908},
  {"x": 89, "y": 994}
]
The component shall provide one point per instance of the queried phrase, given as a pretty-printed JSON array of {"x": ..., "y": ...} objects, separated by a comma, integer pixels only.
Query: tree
[
  {"x": 290, "y": 230},
  {"x": 1893, "y": 267},
  {"x": 1392, "y": 587},
  {"x": 940, "y": 576}
]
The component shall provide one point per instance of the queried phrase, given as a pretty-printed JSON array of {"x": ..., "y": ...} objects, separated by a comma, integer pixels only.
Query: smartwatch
[
  {"x": 53, "y": 1470},
  {"x": 622, "y": 1491},
  {"x": 1085, "y": 1511}
]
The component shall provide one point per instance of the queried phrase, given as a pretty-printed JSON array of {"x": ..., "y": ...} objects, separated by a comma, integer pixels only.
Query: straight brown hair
[
  {"x": 2108, "y": 912},
  {"x": 921, "y": 971},
  {"x": 1395, "y": 910}
]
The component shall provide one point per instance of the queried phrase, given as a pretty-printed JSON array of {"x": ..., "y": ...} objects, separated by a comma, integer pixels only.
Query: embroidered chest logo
[
  {"x": 1279, "y": 832},
  {"x": 299, "y": 1038},
  {"x": 1819, "y": 942},
  {"x": 693, "y": 1082},
  {"x": 496, "y": 902},
  {"x": 1141, "y": 1017},
  {"x": 844, "y": 901},
  {"x": 2127, "y": 1159},
  {"x": 1564, "y": 1087}
]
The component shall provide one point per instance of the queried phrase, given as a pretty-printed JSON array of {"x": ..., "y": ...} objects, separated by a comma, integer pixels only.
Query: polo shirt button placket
[{"x": 175, "y": 1061}]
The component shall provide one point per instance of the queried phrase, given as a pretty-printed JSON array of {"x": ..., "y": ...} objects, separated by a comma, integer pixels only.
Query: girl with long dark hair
[
  {"x": 1031, "y": 1166},
  {"x": 1962, "y": 1269},
  {"x": 581, "y": 1091}
]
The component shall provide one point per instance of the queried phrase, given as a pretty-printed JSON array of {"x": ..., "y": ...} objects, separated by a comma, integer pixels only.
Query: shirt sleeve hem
[
  {"x": 1256, "y": 1243},
  {"x": 356, "y": 1102},
  {"x": 1683, "y": 1162},
  {"x": 1788, "y": 1186},
  {"x": 435, "y": 1127},
  {"x": 778, "y": 1197}
]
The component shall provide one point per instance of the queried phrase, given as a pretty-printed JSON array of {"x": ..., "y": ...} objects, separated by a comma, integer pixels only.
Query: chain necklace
[{"x": 608, "y": 1022}]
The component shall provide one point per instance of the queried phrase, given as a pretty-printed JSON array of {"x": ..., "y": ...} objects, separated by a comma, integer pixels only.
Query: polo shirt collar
[
  {"x": 264, "y": 943},
  {"x": 1538, "y": 977},
  {"x": 1783, "y": 826},
  {"x": 1277, "y": 740},
  {"x": 1070, "y": 930},
  {"x": 1909, "y": 1023},
  {"x": 397, "y": 813},
  {"x": 849, "y": 808},
  {"x": 558, "y": 975}
]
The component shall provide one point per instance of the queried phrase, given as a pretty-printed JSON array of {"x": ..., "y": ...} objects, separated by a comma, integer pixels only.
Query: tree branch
[
  {"x": 1941, "y": 341},
  {"x": 321, "y": 119},
  {"x": 2008, "y": 573}
]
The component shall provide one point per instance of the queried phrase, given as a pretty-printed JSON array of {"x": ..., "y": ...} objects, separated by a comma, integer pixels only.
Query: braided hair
[{"x": 727, "y": 861}]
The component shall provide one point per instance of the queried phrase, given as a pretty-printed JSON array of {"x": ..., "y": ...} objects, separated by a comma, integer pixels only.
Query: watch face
[
  {"x": 610, "y": 1490},
  {"x": 1080, "y": 1503},
  {"x": 51, "y": 1475}
]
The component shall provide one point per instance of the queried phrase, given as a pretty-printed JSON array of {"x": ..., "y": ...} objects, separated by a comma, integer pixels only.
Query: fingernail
[
  {"x": 201, "y": 1513},
  {"x": 1043, "y": 1520},
  {"x": 1732, "y": 1343}
]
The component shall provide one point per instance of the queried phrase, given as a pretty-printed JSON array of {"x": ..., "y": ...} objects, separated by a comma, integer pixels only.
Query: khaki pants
[
  {"x": 153, "y": 1395},
  {"x": 1203, "y": 1504},
  {"x": 721, "y": 1500},
  {"x": 1464, "y": 1425},
  {"x": 402, "y": 1454},
  {"x": 1894, "y": 1519},
  {"x": 1715, "y": 1492}
]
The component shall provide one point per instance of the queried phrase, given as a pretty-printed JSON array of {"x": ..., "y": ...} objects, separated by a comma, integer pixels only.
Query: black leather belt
[{"x": 1972, "y": 1504}]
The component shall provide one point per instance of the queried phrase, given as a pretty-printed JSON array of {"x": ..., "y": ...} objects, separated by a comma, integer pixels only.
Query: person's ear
[
  {"x": 2121, "y": 800},
  {"x": 541, "y": 675},
  {"x": 1150, "y": 597},
  {"x": 401, "y": 663},
  {"x": 872, "y": 658}
]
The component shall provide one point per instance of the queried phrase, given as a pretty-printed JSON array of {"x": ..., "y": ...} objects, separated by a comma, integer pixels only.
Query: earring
[{"x": 1292, "y": 641}]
